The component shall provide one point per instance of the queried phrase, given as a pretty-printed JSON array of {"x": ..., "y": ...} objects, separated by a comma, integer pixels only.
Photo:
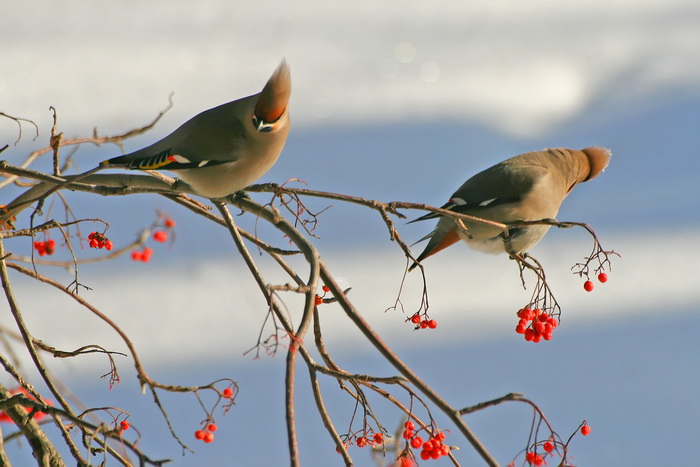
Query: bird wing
[
  {"x": 498, "y": 186},
  {"x": 212, "y": 137}
]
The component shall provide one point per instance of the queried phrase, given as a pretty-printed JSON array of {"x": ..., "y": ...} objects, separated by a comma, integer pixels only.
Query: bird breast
[{"x": 522, "y": 239}]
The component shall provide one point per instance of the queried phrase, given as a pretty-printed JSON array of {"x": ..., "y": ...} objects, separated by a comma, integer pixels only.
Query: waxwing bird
[
  {"x": 223, "y": 150},
  {"x": 528, "y": 187}
]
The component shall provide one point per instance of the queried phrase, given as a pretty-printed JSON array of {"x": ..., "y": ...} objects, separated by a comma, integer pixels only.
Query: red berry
[
  {"x": 445, "y": 450},
  {"x": 530, "y": 456},
  {"x": 432, "y": 324},
  {"x": 136, "y": 255},
  {"x": 440, "y": 436},
  {"x": 588, "y": 286},
  {"x": 408, "y": 434},
  {"x": 436, "y": 453},
  {"x": 425, "y": 455},
  {"x": 92, "y": 235},
  {"x": 406, "y": 462},
  {"x": 602, "y": 277},
  {"x": 585, "y": 430},
  {"x": 361, "y": 442},
  {"x": 520, "y": 329},
  {"x": 378, "y": 438},
  {"x": 146, "y": 255},
  {"x": 416, "y": 442},
  {"x": 50, "y": 246},
  {"x": 169, "y": 223},
  {"x": 160, "y": 236},
  {"x": 409, "y": 425},
  {"x": 124, "y": 425},
  {"x": 549, "y": 447},
  {"x": 424, "y": 324},
  {"x": 538, "y": 460},
  {"x": 325, "y": 288},
  {"x": 208, "y": 437},
  {"x": 108, "y": 244},
  {"x": 93, "y": 243},
  {"x": 415, "y": 319},
  {"x": 529, "y": 334},
  {"x": 199, "y": 434},
  {"x": 228, "y": 392},
  {"x": 428, "y": 445},
  {"x": 318, "y": 300},
  {"x": 212, "y": 427}
]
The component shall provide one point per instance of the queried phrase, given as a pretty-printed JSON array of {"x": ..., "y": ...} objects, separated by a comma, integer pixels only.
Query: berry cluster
[
  {"x": 45, "y": 248},
  {"x": 364, "y": 441},
  {"x": 534, "y": 459},
  {"x": 206, "y": 435},
  {"x": 535, "y": 324},
  {"x": 423, "y": 323},
  {"x": 4, "y": 418},
  {"x": 98, "y": 240},
  {"x": 588, "y": 285},
  {"x": 319, "y": 298},
  {"x": 144, "y": 255},
  {"x": 433, "y": 448},
  {"x": 160, "y": 236}
]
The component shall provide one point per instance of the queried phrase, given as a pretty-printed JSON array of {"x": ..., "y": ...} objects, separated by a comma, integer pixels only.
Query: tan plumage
[
  {"x": 223, "y": 150},
  {"x": 527, "y": 187}
]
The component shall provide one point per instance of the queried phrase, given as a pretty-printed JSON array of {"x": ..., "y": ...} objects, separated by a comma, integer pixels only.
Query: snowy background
[{"x": 393, "y": 101}]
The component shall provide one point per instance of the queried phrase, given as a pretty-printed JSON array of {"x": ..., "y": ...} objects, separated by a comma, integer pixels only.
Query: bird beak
[{"x": 262, "y": 126}]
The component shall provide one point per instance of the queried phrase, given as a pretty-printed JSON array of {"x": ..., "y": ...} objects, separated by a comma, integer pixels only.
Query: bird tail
[
  {"x": 438, "y": 242},
  {"x": 434, "y": 215},
  {"x": 430, "y": 215}
]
